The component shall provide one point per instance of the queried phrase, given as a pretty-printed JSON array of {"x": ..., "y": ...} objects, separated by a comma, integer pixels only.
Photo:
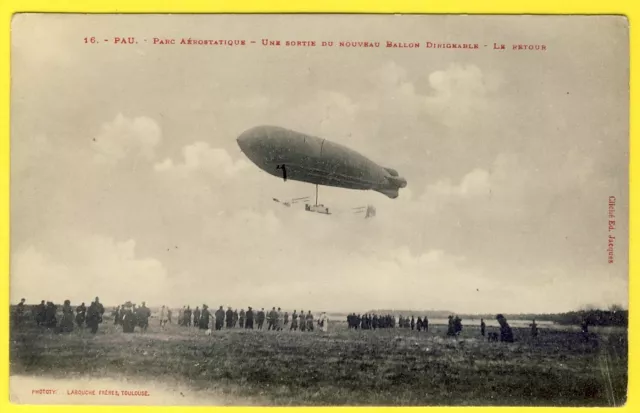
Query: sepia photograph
[{"x": 319, "y": 210}]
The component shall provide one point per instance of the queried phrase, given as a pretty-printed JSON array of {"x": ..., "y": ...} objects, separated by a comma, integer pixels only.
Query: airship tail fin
[
  {"x": 394, "y": 183},
  {"x": 392, "y": 172},
  {"x": 390, "y": 192},
  {"x": 397, "y": 181}
]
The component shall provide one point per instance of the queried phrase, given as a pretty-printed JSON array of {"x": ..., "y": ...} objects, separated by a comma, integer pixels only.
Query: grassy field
[{"x": 343, "y": 367}]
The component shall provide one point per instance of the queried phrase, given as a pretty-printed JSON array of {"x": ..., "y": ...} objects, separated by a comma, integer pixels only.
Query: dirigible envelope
[{"x": 293, "y": 155}]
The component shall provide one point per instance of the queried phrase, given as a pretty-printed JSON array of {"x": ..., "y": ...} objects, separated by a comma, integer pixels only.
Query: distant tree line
[
  {"x": 595, "y": 317},
  {"x": 614, "y": 316}
]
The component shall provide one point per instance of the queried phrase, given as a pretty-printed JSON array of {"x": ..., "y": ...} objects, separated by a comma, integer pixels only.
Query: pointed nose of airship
[
  {"x": 251, "y": 140},
  {"x": 244, "y": 141}
]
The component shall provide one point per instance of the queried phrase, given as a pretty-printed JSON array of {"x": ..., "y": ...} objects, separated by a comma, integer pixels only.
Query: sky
[{"x": 127, "y": 182}]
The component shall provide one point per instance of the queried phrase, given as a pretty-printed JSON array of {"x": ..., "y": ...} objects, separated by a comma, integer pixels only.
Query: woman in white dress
[
  {"x": 164, "y": 317},
  {"x": 323, "y": 322}
]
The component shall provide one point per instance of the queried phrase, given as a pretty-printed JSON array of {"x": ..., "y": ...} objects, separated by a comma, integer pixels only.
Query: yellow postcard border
[{"x": 629, "y": 8}]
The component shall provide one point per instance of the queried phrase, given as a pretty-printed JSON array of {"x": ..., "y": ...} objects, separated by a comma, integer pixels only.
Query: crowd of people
[
  {"x": 129, "y": 316},
  {"x": 375, "y": 321},
  {"x": 275, "y": 319},
  {"x": 46, "y": 315}
]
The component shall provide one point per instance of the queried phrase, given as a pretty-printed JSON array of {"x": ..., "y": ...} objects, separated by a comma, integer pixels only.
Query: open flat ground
[{"x": 341, "y": 367}]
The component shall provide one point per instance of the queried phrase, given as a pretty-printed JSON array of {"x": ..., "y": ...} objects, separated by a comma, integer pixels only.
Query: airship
[{"x": 288, "y": 154}]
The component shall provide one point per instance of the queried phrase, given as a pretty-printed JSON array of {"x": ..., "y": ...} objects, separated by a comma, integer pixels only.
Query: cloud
[
  {"x": 319, "y": 262},
  {"x": 498, "y": 193},
  {"x": 124, "y": 137},
  {"x": 458, "y": 80},
  {"x": 83, "y": 266},
  {"x": 200, "y": 156},
  {"x": 460, "y": 92},
  {"x": 165, "y": 165},
  {"x": 476, "y": 182}
]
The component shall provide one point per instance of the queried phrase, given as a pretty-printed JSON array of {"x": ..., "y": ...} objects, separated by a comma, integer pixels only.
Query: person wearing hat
[
  {"x": 19, "y": 315},
  {"x": 204, "y": 318},
  {"x": 143, "y": 316},
  {"x": 129, "y": 319},
  {"x": 219, "y": 318},
  {"x": 309, "y": 318},
  {"x": 248, "y": 324},
  {"x": 260, "y": 318},
  {"x": 66, "y": 325},
  {"x": 229, "y": 317},
  {"x": 81, "y": 314},
  {"x": 94, "y": 315}
]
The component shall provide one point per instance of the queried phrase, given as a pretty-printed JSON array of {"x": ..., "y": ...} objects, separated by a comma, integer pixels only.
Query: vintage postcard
[{"x": 271, "y": 210}]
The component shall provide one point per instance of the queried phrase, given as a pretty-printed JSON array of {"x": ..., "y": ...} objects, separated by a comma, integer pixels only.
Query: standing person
[
  {"x": 457, "y": 322},
  {"x": 451, "y": 330},
  {"x": 249, "y": 323},
  {"x": 219, "y": 318},
  {"x": 50, "y": 311},
  {"x": 196, "y": 317},
  {"x": 94, "y": 315},
  {"x": 204, "y": 318},
  {"x": 271, "y": 319},
  {"x": 309, "y": 319},
  {"x": 120, "y": 315},
  {"x": 425, "y": 323},
  {"x": 260, "y": 318},
  {"x": 584, "y": 326},
  {"x": 66, "y": 325},
  {"x": 163, "y": 317},
  {"x": 323, "y": 322},
  {"x": 279, "y": 319},
  {"x": 187, "y": 316},
  {"x": 534, "y": 329},
  {"x": 241, "y": 318},
  {"x": 303, "y": 321},
  {"x": 419, "y": 324},
  {"x": 294, "y": 321},
  {"x": 413, "y": 323},
  {"x": 142, "y": 317},
  {"x": 181, "y": 315},
  {"x": 117, "y": 316},
  {"x": 169, "y": 315},
  {"x": 483, "y": 327},
  {"x": 506, "y": 335},
  {"x": 81, "y": 315},
  {"x": 229, "y": 317},
  {"x": 235, "y": 318},
  {"x": 19, "y": 315},
  {"x": 286, "y": 319},
  {"x": 134, "y": 319},
  {"x": 129, "y": 318},
  {"x": 40, "y": 313}
]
